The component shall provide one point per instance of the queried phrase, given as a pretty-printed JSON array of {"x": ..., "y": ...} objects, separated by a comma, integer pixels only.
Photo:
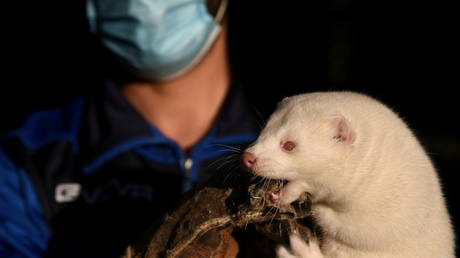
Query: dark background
[{"x": 401, "y": 52}]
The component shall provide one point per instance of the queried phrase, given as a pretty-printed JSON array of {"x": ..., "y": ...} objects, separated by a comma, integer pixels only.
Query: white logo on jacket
[{"x": 67, "y": 192}]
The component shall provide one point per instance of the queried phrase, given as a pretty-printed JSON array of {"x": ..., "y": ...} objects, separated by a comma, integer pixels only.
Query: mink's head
[{"x": 306, "y": 138}]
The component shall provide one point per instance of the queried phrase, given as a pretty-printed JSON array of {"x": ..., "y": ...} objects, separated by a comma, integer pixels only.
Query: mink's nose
[{"x": 249, "y": 160}]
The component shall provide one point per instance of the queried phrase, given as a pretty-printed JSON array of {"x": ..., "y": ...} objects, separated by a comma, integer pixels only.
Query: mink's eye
[{"x": 288, "y": 145}]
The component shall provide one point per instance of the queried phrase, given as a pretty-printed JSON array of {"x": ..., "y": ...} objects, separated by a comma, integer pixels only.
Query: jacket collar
[{"x": 111, "y": 124}]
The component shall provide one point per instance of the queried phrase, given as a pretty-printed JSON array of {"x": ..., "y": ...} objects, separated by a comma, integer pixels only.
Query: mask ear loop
[{"x": 221, "y": 11}]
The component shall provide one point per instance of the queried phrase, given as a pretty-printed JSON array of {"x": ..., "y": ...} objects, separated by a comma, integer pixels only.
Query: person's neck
[{"x": 185, "y": 108}]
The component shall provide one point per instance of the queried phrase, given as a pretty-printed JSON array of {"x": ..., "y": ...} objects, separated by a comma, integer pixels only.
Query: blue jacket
[{"x": 87, "y": 179}]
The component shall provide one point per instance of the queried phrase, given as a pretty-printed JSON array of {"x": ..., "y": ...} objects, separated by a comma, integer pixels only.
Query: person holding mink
[{"x": 86, "y": 179}]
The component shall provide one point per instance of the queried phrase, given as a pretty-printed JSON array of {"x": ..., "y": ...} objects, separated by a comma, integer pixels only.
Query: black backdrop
[{"x": 401, "y": 52}]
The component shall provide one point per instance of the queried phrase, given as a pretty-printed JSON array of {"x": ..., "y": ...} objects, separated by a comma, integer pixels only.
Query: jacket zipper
[
  {"x": 188, "y": 163},
  {"x": 187, "y": 166}
]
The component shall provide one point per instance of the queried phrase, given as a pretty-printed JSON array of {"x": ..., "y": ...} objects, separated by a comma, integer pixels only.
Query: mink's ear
[{"x": 343, "y": 130}]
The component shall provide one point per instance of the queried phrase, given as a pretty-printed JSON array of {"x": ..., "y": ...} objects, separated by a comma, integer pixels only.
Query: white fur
[{"x": 375, "y": 192}]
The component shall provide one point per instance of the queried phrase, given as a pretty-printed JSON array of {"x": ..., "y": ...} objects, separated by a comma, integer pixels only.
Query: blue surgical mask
[{"x": 158, "y": 39}]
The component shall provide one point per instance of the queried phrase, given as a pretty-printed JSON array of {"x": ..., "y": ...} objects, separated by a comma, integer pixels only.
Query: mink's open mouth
[
  {"x": 268, "y": 193},
  {"x": 268, "y": 189},
  {"x": 275, "y": 194}
]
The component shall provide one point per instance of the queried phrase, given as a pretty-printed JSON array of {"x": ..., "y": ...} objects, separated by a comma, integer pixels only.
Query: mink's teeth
[{"x": 275, "y": 196}]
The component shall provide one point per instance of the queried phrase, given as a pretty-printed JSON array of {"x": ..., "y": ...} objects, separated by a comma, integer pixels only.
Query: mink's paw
[{"x": 299, "y": 249}]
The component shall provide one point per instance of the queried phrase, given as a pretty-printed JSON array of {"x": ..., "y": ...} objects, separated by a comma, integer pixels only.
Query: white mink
[{"x": 374, "y": 189}]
